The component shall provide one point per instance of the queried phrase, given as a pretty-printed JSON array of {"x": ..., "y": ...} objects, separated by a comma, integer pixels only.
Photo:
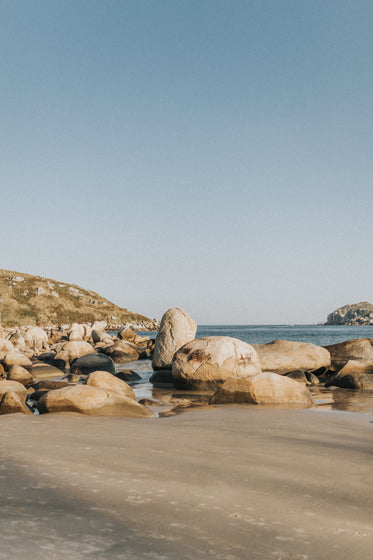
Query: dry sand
[{"x": 232, "y": 482}]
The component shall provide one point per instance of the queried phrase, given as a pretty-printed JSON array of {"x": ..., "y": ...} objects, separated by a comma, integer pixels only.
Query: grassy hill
[{"x": 34, "y": 300}]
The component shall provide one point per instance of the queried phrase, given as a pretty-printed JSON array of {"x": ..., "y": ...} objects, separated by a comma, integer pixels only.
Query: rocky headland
[
  {"x": 353, "y": 314},
  {"x": 34, "y": 300}
]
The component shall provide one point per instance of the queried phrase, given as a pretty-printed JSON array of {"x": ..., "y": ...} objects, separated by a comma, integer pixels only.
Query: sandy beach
[{"x": 231, "y": 482}]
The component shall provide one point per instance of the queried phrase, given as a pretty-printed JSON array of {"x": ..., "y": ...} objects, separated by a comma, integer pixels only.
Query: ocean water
[{"x": 259, "y": 334}]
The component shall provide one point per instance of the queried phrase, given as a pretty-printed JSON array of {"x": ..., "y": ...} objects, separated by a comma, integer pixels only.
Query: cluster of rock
[
  {"x": 274, "y": 373},
  {"x": 73, "y": 369},
  {"x": 70, "y": 369},
  {"x": 354, "y": 314}
]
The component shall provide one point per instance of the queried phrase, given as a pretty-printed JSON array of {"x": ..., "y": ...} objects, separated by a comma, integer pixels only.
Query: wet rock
[
  {"x": 356, "y": 349},
  {"x": 92, "y": 362},
  {"x": 297, "y": 375},
  {"x": 47, "y": 357},
  {"x": 312, "y": 378},
  {"x": 266, "y": 389},
  {"x": 91, "y": 401},
  {"x": 207, "y": 362},
  {"x": 128, "y": 376},
  {"x": 162, "y": 378},
  {"x": 283, "y": 356},
  {"x": 13, "y": 403},
  {"x": 41, "y": 370},
  {"x": 352, "y": 380},
  {"x": 176, "y": 329}
]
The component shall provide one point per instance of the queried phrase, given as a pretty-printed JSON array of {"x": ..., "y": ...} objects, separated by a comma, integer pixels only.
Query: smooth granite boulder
[
  {"x": 16, "y": 358},
  {"x": 176, "y": 329},
  {"x": 70, "y": 351},
  {"x": 109, "y": 382},
  {"x": 36, "y": 338},
  {"x": 7, "y": 386},
  {"x": 355, "y": 349},
  {"x": 265, "y": 388},
  {"x": 284, "y": 356},
  {"x": 20, "y": 374},
  {"x": 91, "y": 401},
  {"x": 207, "y": 362},
  {"x": 92, "y": 362},
  {"x": 13, "y": 403}
]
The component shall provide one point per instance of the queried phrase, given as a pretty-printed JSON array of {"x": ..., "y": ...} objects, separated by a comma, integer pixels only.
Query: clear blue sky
[{"x": 215, "y": 156}]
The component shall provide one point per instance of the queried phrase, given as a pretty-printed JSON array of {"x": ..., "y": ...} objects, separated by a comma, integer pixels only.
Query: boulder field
[
  {"x": 69, "y": 369},
  {"x": 73, "y": 368}
]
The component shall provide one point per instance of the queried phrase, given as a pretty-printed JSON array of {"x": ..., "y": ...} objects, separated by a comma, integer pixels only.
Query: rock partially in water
[
  {"x": 283, "y": 356},
  {"x": 92, "y": 362},
  {"x": 266, "y": 389},
  {"x": 207, "y": 362},
  {"x": 162, "y": 378},
  {"x": 355, "y": 349}
]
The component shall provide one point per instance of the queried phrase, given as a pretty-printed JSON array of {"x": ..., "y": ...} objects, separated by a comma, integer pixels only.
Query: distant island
[
  {"x": 33, "y": 300},
  {"x": 353, "y": 314}
]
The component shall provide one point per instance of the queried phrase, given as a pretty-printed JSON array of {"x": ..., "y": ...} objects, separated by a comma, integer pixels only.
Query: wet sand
[{"x": 231, "y": 482}]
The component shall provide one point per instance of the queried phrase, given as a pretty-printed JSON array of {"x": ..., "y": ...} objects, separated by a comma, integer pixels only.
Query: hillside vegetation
[{"x": 33, "y": 300}]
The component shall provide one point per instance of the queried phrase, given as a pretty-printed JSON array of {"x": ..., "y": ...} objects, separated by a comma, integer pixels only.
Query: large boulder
[
  {"x": 284, "y": 356},
  {"x": 176, "y": 329},
  {"x": 92, "y": 362},
  {"x": 355, "y": 349},
  {"x": 207, "y": 362},
  {"x": 20, "y": 374},
  {"x": 70, "y": 351},
  {"x": 16, "y": 358},
  {"x": 265, "y": 388},
  {"x": 91, "y": 401},
  {"x": 36, "y": 338},
  {"x": 108, "y": 382},
  {"x": 13, "y": 403},
  {"x": 7, "y": 386}
]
